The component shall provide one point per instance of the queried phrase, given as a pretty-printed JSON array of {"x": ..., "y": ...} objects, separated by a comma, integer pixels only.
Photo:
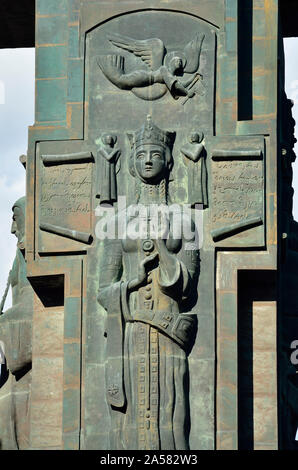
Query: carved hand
[
  {"x": 142, "y": 274},
  {"x": 180, "y": 88}
]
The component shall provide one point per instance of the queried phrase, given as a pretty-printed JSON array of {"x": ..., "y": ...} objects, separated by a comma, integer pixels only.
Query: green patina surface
[{"x": 76, "y": 104}]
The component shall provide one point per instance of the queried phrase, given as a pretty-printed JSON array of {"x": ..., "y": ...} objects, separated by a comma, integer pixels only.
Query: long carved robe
[
  {"x": 16, "y": 334},
  {"x": 107, "y": 184},
  {"x": 197, "y": 174},
  {"x": 147, "y": 367}
]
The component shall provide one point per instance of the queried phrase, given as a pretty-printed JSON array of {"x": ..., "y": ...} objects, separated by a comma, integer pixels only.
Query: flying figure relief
[{"x": 175, "y": 71}]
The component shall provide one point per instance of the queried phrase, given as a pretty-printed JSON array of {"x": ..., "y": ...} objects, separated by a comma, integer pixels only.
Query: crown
[{"x": 151, "y": 134}]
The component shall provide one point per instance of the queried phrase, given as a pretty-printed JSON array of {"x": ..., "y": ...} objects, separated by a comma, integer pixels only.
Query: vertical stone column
[
  {"x": 47, "y": 377},
  {"x": 264, "y": 376}
]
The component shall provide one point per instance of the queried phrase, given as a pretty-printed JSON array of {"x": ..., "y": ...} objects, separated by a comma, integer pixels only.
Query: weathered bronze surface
[
  {"x": 16, "y": 336},
  {"x": 143, "y": 341},
  {"x": 165, "y": 68},
  {"x": 149, "y": 321}
]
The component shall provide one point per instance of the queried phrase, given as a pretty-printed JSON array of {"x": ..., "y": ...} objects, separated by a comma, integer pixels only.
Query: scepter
[
  {"x": 5, "y": 294},
  {"x": 192, "y": 84}
]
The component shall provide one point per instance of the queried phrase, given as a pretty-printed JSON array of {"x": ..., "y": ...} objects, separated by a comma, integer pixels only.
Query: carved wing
[
  {"x": 151, "y": 51},
  {"x": 192, "y": 52}
]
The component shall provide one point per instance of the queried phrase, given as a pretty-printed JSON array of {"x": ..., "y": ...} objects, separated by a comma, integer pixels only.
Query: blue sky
[{"x": 17, "y": 68}]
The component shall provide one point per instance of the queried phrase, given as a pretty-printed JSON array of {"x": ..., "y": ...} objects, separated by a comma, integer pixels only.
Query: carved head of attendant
[
  {"x": 18, "y": 221},
  {"x": 175, "y": 62},
  {"x": 196, "y": 137},
  {"x": 109, "y": 140},
  {"x": 176, "y": 65},
  {"x": 151, "y": 158}
]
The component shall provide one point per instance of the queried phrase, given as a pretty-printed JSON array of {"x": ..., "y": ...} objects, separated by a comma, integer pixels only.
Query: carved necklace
[{"x": 152, "y": 193}]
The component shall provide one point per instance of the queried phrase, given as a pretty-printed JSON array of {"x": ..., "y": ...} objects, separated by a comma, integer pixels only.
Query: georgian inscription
[
  {"x": 66, "y": 195},
  {"x": 237, "y": 191}
]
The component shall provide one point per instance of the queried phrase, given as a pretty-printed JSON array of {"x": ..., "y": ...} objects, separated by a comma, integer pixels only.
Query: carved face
[
  {"x": 150, "y": 162},
  {"x": 18, "y": 225},
  {"x": 108, "y": 140},
  {"x": 176, "y": 64},
  {"x": 194, "y": 138}
]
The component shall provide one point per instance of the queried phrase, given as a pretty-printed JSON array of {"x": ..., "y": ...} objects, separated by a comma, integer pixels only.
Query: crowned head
[{"x": 151, "y": 158}]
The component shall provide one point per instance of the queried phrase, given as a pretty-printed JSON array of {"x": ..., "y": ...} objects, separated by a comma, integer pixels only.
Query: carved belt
[{"x": 178, "y": 326}]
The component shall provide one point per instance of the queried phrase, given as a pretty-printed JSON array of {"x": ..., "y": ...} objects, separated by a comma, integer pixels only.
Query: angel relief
[{"x": 157, "y": 71}]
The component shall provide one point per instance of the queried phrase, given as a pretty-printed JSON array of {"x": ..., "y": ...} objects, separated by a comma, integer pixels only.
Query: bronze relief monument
[
  {"x": 149, "y": 267},
  {"x": 149, "y": 322},
  {"x": 161, "y": 68}
]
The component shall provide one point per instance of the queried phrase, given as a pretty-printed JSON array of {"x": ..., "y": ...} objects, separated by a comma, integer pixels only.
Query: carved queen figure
[{"x": 148, "y": 288}]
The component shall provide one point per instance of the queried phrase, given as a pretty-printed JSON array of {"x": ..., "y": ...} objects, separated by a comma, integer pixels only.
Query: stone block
[
  {"x": 71, "y": 410},
  {"x": 227, "y": 409},
  {"x": 48, "y": 379},
  {"x": 264, "y": 326},
  {"x": 75, "y": 84},
  {"x": 72, "y": 321},
  {"x": 48, "y": 333},
  {"x": 73, "y": 41},
  {"x": 51, "y": 104},
  {"x": 51, "y": 62},
  {"x": 52, "y": 7},
  {"x": 227, "y": 440},
  {"x": 265, "y": 420},
  {"x": 72, "y": 364},
  {"x": 46, "y": 424},
  {"x": 51, "y": 30},
  {"x": 265, "y": 381}
]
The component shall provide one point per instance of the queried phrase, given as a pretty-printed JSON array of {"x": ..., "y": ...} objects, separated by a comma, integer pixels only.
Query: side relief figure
[
  {"x": 195, "y": 153},
  {"x": 148, "y": 288},
  {"x": 107, "y": 158},
  {"x": 16, "y": 335},
  {"x": 176, "y": 71}
]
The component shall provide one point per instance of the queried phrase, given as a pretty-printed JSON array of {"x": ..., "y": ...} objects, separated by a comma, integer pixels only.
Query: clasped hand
[{"x": 167, "y": 262}]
